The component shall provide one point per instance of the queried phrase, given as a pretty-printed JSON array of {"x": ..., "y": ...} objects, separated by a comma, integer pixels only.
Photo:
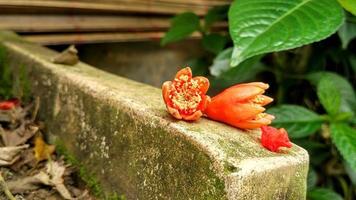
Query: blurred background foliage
[{"x": 309, "y": 60}]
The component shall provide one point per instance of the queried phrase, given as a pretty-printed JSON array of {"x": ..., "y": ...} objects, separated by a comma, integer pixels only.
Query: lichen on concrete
[{"x": 119, "y": 130}]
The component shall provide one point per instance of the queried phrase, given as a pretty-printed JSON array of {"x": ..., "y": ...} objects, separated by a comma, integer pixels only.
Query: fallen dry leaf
[
  {"x": 18, "y": 136},
  {"x": 42, "y": 150},
  {"x": 67, "y": 57},
  {"x": 56, "y": 172},
  {"x": 28, "y": 183},
  {"x": 25, "y": 174},
  {"x": 27, "y": 158},
  {"x": 53, "y": 176},
  {"x": 8, "y": 155}
]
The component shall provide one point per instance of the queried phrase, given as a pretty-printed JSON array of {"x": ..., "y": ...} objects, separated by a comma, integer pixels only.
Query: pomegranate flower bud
[
  {"x": 9, "y": 104},
  {"x": 185, "y": 96},
  {"x": 241, "y": 106},
  {"x": 272, "y": 138}
]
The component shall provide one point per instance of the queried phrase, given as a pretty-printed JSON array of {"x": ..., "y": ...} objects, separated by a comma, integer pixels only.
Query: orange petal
[
  {"x": 241, "y": 93},
  {"x": 174, "y": 112},
  {"x": 261, "y": 85},
  {"x": 203, "y": 84},
  {"x": 185, "y": 71},
  {"x": 204, "y": 102},
  {"x": 244, "y": 111},
  {"x": 251, "y": 124},
  {"x": 268, "y": 116},
  {"x": 236, "y": 115},
  {"x": 196, "y": 115},
  {"x": 265, "y": 100},
  {"x": 165, "y": 91}
]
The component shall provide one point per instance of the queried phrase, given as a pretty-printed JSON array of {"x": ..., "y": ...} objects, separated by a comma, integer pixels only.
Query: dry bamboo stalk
[
  {"x": 80, "y": 23},
  {"x": 194, "y": 3},
  {"x": 103, "y": 6},
  {"x": 86, "y": 23},
  {"x": 55, "y": 39}
]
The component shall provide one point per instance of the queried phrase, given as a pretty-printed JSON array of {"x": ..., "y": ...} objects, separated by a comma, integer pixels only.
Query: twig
[
  {"x": 35, "y": 109},
  {"x": 5, "y": 188}
]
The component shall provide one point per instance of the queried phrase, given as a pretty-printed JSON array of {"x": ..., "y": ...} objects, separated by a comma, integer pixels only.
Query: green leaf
[
  {"x": 312, "y": 179},
  {"x": 245, "y": 71},
  {"x": 352, "y": 60},
  {"x": 226, "y": 76},
  {"x": 318, "y": 152},
  {"x": 214, "y": 42},
  {"x": 344, "y": 137},
  {"x": 323, "y": 194},
  {"x": 347, "y": 31},
  {"x": 221, "y": 62},
  {"x": 262, "y": 26},
  {"x": 199, "y": 66},
  {"x": 297, "y": 120},
  {"x": 329, "y": 95},
  {"x": 182, "y": 26},
  {"x": 348, "y": 96},
  {"x": 350, "y": 172},
  {"x": 215, "y": 14},
  {"x": 349, "y": 5}
]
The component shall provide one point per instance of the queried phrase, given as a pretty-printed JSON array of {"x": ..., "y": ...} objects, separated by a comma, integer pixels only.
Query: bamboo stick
[
  {"x": 56, "y": 39},
  {"x": 81, "y": 23},
  {"x": 86, "y": 23},
  {"x": 118, "y": 6}
]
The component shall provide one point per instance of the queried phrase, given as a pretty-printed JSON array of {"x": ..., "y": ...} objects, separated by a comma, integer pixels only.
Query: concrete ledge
[{"x": 119, "y": 130}]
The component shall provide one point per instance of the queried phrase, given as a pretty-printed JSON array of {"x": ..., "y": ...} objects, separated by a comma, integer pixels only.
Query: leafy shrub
[
  {"x": 5, "y": 76},
  {"x": 305, "y": 50}
]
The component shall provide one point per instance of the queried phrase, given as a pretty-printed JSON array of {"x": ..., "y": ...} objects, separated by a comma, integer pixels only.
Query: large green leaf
[
  {"x": 262, "y": 26},
  {"x": 348, "y": 96},
  {"x": 226, "y": 76},
  {"x": 344, "y": 138},
  {"x": 245, "y": 71},
  {"x": 214, "y": 42},
  {"x": 297, "y": 120},
  {"x": 182, "y": 26},
  {"x": 349, "y": 5},
  {"x": 347, "y": 31},
  {"x": 350, "y": 172},
  {"x": 215, "y": 14},
  {"x": 323, "y": 194},
  {"x": 329, "y": 95}
]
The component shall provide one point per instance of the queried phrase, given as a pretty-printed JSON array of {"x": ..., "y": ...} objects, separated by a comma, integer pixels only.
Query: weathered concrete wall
[
  {"x": 146, "y": 62},
  {"x": 119, "y": 129}
]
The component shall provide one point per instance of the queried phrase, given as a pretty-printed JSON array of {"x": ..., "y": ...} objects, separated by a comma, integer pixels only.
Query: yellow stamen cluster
[
  {"x": 260, "y": 116},
  {"x": 258, "y": 99},
  {"x": 186, "y": 96}
]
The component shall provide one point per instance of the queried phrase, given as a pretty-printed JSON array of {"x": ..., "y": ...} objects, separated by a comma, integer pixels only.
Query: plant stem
[
  {"x": 281, "y": 88},
  {"x": 5, "y": 188}
]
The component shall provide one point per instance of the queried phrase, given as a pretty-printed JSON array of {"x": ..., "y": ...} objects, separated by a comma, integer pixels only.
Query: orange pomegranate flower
[
  {"x": 273, "y": 138},
  {"x": 185, "y": 96},
  {"x": 9, "y": 104},
  {"x": 241, "y": 106}
]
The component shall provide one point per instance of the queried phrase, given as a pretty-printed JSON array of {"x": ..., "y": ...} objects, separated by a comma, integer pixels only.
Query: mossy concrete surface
[{"x": 120, "y": 131}]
